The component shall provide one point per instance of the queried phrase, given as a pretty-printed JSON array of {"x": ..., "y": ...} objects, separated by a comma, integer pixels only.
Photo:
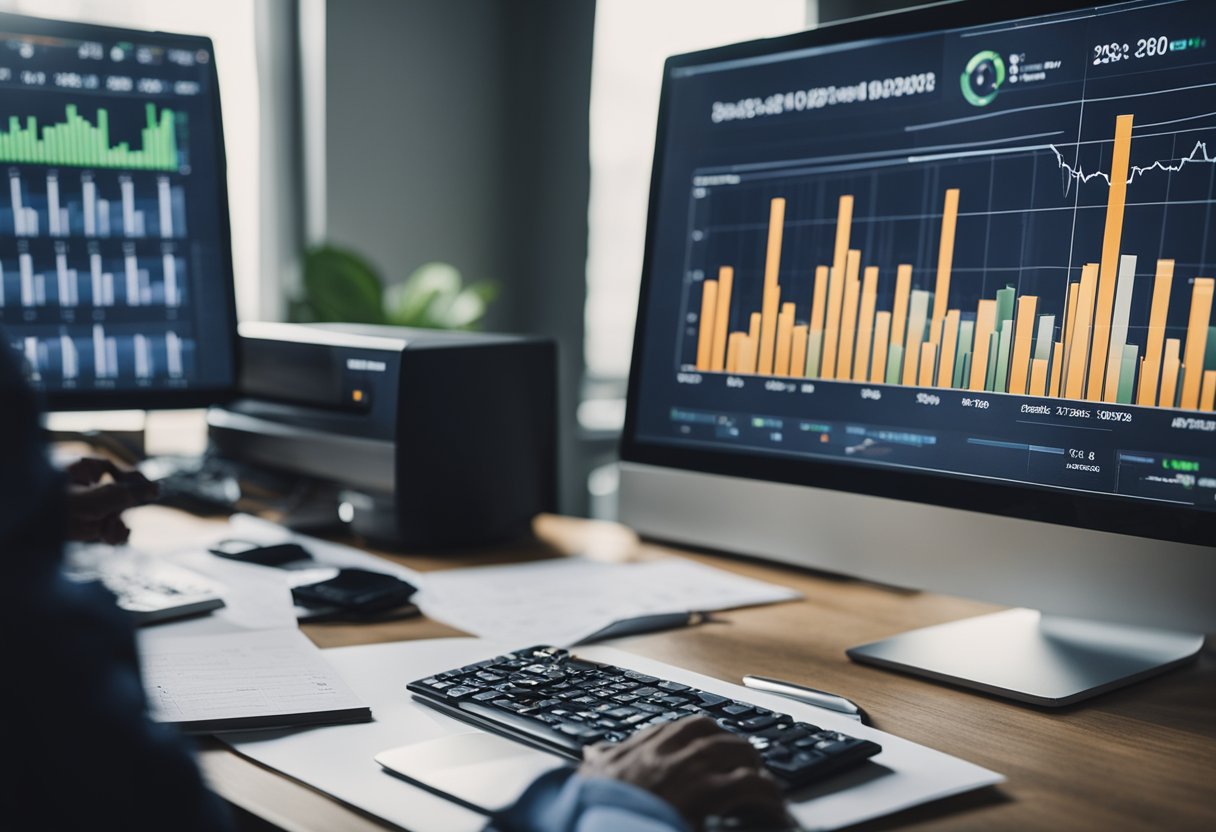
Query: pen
[
  {"x": 647, "y": 624},
  {"x": 802, "y": 693}
]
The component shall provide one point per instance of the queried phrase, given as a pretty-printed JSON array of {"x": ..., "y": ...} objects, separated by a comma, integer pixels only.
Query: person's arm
[
  {"x": 669, "y": 779},
  {"x": 80, "y": 752}
]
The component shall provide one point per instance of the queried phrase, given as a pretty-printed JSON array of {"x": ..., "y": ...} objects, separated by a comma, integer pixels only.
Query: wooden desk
[{"x": 1140, "y": 758}]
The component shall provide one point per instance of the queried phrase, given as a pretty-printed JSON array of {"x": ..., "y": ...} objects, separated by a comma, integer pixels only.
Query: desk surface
[{"x": 1142, "y": 757}]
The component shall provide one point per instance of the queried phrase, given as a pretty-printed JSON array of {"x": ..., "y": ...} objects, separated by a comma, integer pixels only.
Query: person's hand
[
  {"x": 95, "y": 507},
  {"x": 697, "y": 767}
]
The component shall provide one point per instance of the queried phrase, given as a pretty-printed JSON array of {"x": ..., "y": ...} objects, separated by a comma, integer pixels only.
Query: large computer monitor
[
  {"x": 115, "y": 264},
  {"x": 928, "y": 299}
]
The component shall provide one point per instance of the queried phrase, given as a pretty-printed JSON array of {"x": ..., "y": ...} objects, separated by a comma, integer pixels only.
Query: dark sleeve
[{"x": 79, "y": 752}]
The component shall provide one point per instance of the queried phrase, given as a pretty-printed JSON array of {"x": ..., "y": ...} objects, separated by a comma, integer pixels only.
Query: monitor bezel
[
  {"x": 1108, "y": 513},
  {"x": 153, "y": 399}
]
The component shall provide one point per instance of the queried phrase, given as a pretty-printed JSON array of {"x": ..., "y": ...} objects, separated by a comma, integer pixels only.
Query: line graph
[{"x": 1076, "y": 173}]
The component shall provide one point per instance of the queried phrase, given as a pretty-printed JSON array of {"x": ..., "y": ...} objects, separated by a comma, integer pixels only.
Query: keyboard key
[{"x": 758, "y": 723}]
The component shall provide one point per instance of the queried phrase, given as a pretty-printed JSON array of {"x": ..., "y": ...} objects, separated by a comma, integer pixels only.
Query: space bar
[{"x": 522, "y": 725}]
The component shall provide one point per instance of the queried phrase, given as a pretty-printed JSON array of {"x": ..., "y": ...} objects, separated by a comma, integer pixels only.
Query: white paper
[
  {"x": 563, "y": 600},
  {"x": 338, "y": 760},
  {"x": 905, "y": 774},
  {"x": 237, "y": 675}
]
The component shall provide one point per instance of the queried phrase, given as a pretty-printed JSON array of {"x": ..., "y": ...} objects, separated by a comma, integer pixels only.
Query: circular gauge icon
[{"x": 983, "y": 78}]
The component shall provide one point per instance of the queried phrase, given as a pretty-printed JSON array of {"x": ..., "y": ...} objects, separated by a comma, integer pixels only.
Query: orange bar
[
  {"x": 1156, "y": 333},
  {"x": 1207, "y": 397},
  {"x": 985, "y": 323},
  {"x": 772, "y": 292},
  {"x": 1038, "y": 377},
  {"x": 1169, "y": 373},
  {"x": 836, "y": 280},
  {"x": 747, "y": 355},
  {"x": 732, "y": 351},
  {"x": 945, "y": 372},
  {"x": 705, "y": 337},
  {"x": 1057, "y": 366},
  {"x": 819, "y": 302},
  {"x": 1105, "y": 296},
  {"x": 1023, "y": 332},
  {"x": 785, "y": 327},
  {"x": 753, "y": 330},
  {"x": 865, "y": 324},
  {"x": 798, "y": 351},
  {"x": 717, "y": 359},
  {"x": 945, "y": 261},
  {"x": 1074, "y": 384},
  {"x": 899, "y": 314},
  {"x": 882, "y": 336},
  {"x": 928, "y": 352},
  {"x": 1070, "y": 318},
  {"x": 848, "y": 320},
  {"x": 1196, "y": 341}
]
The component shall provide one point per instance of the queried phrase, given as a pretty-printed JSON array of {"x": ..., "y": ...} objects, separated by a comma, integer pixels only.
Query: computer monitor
[
  {"x": 928, "y": 299},
  {"x": 115, "y": 264}
]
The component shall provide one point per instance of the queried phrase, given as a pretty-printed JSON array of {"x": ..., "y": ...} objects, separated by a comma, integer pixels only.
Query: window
[
  {"x": 632, "y": 39},
  {"x": 230, "y": 25}
]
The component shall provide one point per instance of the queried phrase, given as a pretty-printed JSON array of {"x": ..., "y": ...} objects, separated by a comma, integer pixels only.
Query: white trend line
[{"x": 1198, "y": 155}]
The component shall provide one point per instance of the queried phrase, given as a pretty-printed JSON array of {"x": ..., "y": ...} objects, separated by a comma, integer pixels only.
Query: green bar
[
  {"x": 171, "y": 137},
  {"x": 966, "y": 334},
  {"x": 994, "y": 341},
  {"x": 1002, "y": 360},
  {"x": 1209, "y": 357},
  {"x": 1004, "y": 305},
  {"x": 895, "y": 361},
  {"x": 103, "y": 136},
  {"x": 966, "y": 368},
  {"x": 79, "y": 127},
  {"x": 814, "y": 347},
  {"x": 1127, "y": 374}
]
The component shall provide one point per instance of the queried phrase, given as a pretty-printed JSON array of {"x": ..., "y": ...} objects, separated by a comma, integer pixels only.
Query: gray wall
[
  {"x": 412, "y": 132},
  {"x": 457, "y": 131}
]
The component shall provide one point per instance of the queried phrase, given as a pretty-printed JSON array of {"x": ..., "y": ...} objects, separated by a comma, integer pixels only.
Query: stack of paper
[{"x": 237, "y": 681}]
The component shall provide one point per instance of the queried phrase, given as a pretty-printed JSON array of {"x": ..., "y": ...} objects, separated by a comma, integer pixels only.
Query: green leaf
[
  {"x": 341, "y": 286},
  {"x": 417, "y": 300}
]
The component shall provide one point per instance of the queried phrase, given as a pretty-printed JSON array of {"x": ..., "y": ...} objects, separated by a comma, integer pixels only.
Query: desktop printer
[{"x": 424, "y": 438}]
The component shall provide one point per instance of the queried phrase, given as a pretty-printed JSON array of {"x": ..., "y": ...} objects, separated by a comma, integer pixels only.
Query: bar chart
[
  {"x": 104, "y": 357},
  {"x": 94, "y": 280},
  {"x": 126, "y": 205},
  {"x": 1134, "y": 327},
  {"x": 76, "y": 141}
]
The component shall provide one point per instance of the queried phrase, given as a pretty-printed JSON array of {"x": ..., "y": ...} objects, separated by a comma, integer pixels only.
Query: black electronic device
[
  {"x": 116, "y": 280},
  {"x": 551, "y": 699},
  {"x": 417, "y": 438}
]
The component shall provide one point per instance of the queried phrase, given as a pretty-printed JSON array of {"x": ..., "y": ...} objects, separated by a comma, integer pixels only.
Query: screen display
[
  {"x": 115, "y": 275},
  {"x": 986, "y": 253}
]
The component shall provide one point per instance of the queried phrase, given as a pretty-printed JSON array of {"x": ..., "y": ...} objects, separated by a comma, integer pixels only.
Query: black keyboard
[{"x": 554, "y": 700}]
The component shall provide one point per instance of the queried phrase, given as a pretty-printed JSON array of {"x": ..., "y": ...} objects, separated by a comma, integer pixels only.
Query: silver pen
[{"x": 822, "y": 699}]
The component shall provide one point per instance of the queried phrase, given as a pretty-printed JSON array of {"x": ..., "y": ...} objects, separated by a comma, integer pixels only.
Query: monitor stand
[{"x": 1022, "y": 655}]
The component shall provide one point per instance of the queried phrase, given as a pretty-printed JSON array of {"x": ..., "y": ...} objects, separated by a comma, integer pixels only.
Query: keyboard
[
  {"x": 152, "y": 591},
  {"x": 551, "y": 699}
]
